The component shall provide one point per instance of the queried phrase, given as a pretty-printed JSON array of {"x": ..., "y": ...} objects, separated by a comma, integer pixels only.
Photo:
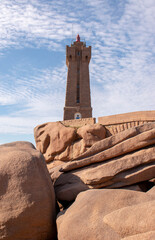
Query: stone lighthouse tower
[{"x": 78, "y": 102}]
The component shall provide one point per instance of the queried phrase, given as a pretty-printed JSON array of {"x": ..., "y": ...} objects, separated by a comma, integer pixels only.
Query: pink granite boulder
[{"x": 27, "y": 198}]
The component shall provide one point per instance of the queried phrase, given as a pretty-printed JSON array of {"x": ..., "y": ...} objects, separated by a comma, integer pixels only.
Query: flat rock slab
[
  {"x": 129, "y": 145},
  {"x": 115, "y": 173},
  {"x": 118, "y": 138}
]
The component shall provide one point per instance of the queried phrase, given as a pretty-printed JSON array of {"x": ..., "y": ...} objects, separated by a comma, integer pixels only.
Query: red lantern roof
[{"x": 78, "y": 38}]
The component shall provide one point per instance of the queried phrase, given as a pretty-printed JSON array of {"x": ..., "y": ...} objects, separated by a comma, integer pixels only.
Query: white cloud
[
  {"x": 123, "y": 61},
  {"x": 34, "y": 100},
  {"x": 46, "y": 82},
  {"x": 23, "y": 22}
]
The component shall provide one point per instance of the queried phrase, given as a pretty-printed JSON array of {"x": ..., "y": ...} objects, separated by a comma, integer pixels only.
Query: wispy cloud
[
  {"x": 38, "y": 98},
  {"x": 29, "y": 23},
  {"x": 123, "y": 63}
]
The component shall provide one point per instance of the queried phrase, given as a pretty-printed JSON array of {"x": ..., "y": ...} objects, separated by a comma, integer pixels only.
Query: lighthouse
[{"x": 78, "y": 99}]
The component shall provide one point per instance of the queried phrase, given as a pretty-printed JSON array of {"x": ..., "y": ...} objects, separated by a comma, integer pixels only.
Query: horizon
[{"x": 33, "y": 72}]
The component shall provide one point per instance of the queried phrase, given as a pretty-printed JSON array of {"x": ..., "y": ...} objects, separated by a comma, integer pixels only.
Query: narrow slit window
[
  {"x": 78, "y": 94},
  {"x": 78, "y": 87}
]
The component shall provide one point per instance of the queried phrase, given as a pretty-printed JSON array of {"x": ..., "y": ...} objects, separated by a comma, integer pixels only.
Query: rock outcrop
[
  {"x": 119, "y": 172},
  {"x": 142, "y": 136},
  {"x": 27, "y": 198},
  {"x": 108, "y": 214},
  {"x": 122, "y": 160},
  {"x": 53, "y": 138},
  {"x": 91, "y": 133},
  {"x": 89, "y": 161},
  {"x": 59, "y": 143},
  {"x": 104, "y": 186},
  {"x": 80, "y": 161}
]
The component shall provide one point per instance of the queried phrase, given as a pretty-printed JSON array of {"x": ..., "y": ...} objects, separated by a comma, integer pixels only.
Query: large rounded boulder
[
  {"x": 91, "y": 133},
  {"x": 109, "y": 214},
  {"x": 52, "y": 139},
  {"x": 27, "y": 199}
]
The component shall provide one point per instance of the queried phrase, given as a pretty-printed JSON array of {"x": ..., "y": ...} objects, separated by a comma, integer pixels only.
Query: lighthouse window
[
  {"x": 78, "y": 87},
  {"x": 77, "y": 116},
  {"x": 78, "y": 53},
  {"x": 70, "y": 56},
  {"x": 78, "y": 94},
  {"x": 86, "y": 57}
]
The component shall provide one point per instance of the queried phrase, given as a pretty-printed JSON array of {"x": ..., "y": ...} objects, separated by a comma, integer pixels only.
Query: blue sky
[{"x": 33, "y": 72}]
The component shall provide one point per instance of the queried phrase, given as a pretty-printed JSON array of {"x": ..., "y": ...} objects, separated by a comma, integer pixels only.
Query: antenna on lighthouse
[{"x": 72, "y": 34}]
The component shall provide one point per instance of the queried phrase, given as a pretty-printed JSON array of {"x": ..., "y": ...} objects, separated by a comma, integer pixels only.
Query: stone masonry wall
[
  {"x": 120, "y": 122},
  {"x": 115, "y": 123},
  {"x": 79, "y": 122}
]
